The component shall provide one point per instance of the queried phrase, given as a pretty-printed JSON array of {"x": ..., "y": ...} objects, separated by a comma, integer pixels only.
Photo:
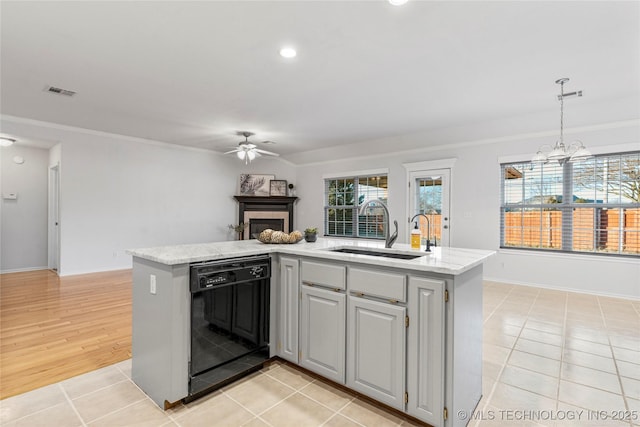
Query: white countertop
[{"x": 440, "y": 260}]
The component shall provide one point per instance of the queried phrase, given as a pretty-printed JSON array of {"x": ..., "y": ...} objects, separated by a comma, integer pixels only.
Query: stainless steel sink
[{"x": 381, "y": 253}]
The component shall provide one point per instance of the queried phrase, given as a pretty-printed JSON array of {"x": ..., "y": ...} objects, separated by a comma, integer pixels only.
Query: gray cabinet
[
  {"x": 322, "y": 332},
  {"x": 323, "y": 274},
  {"x": 425, "y": 350},
  {"x": 288, "y": 298},
  {"x": 376, "y": 350},
  {"x": 405, "y": 345}
]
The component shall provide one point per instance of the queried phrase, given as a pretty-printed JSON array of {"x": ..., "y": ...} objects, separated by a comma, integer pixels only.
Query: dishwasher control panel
[{"x": 209, "y": 275}]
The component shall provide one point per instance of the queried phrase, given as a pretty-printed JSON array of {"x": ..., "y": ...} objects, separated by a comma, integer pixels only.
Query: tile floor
[{"x": 551, "y": 358}]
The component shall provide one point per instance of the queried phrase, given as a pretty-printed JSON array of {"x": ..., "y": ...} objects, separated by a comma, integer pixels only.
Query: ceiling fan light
[
  {"x": 241, "y": 155},
  {"x": 6, "y": 142},
  {"x": 251, "y": 154}
]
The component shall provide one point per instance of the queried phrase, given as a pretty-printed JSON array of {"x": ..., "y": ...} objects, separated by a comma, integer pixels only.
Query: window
[
  {"x": 343, "y": 198},
  {"x": 587, "y": 207}
]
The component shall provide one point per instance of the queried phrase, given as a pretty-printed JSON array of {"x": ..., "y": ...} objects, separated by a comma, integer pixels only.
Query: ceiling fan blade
[
  {"x": 232, "y": 151},
  {"x": 268, "y": 153}
]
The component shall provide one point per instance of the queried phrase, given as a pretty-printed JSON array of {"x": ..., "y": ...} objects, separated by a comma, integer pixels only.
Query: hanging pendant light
[{"x": 574, "y": 152}]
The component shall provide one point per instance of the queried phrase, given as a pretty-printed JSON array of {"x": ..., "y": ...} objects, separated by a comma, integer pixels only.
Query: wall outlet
[{"x": 152, "y": 284}]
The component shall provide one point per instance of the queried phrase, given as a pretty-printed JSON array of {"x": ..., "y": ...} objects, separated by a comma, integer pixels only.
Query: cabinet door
[
  {"x": 376, "y": 350},
  {"x": 425, "y": 347},
  {"x": 288, "y": 298},
  {"x": 322, "y": 332}
]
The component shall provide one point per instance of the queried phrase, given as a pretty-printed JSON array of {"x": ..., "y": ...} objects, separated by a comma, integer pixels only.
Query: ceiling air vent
[{"x": 59, "y": 91}]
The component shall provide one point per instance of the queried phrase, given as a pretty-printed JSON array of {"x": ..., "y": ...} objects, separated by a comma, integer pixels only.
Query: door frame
[
  {"x": 53, "y": 253},
  {"x": 427, "y": 167}
]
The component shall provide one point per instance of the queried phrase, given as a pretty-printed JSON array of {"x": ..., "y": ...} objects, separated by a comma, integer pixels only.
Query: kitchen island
[{"x": 405, "y": 332}]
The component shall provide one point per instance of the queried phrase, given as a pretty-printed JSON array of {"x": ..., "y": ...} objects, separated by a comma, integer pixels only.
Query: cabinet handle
[
  {"x": 307, "y": 283},
  {"x": 358, "y": 294}
]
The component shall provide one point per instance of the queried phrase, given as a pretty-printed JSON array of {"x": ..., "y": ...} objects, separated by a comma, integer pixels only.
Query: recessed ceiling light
[
  {"x": 6, "y": 142},
  {"x": 288, "y": 52},
  {"x": 398, "y": 2}
]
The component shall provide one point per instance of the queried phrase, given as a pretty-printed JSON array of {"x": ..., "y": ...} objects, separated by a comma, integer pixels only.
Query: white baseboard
[
  {"x": 22, "y": 270},
  {"x": 80, "y": 272},
  {"x": 562, "y": 288}
]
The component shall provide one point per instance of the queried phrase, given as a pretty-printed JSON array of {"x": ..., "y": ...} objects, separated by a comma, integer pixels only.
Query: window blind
[
  {"x": 587, "y": 207},
  {"x": 343, "y": 198}
]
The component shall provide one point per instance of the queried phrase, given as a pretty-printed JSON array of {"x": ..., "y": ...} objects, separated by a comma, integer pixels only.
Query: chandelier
[{"x": 574, "y": 152}]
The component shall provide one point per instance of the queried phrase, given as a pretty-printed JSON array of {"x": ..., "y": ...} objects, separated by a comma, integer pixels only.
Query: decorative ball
[
  {"x": 265, "y": 236},
  {"x": 295, "y": 236},
  {"x": 278, "y": 237}
]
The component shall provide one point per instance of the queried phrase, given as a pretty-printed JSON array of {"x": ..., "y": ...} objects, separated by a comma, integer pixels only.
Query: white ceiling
[{"x": 194, "y": 73}]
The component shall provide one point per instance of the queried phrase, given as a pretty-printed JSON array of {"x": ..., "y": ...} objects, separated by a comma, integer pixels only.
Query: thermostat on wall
[{"x": 10, "y": 196}]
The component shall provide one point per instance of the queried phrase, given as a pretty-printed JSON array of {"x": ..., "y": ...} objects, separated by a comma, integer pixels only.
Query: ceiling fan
[{"x": 247, "y": 151}]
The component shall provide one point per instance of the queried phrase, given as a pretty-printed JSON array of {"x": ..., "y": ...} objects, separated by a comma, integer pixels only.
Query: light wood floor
[{"x": 55, "y": 328}]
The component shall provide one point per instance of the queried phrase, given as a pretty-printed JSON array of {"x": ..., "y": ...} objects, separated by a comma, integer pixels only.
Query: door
[
  {"x": 376, "y": 350},
  {"x": 54, "y": 218},
  {"x": 430, "y": 195},
  {"x": 425, "y": 350},
  {"x": 322, "y": 332},
  {"x": 288, "y": 297}
]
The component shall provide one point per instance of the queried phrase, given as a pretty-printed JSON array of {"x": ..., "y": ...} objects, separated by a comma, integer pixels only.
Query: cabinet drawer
[
  {"x": 377, "y": 283},
  {"x": 322, "y": 274}
]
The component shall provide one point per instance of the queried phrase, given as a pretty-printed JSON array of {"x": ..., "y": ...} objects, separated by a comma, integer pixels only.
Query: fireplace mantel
[{"x": 253, "y": 205}]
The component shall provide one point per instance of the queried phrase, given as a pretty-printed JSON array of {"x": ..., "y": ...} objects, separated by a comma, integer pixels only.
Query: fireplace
[
  {"x": 257, "y": 225},
  {"x": 265, "y": 212}
]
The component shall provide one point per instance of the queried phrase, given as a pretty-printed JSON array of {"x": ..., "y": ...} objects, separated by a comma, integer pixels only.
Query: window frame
[
  {"x": 358, "y": 222},
  {"x": 568, "y": 206}
]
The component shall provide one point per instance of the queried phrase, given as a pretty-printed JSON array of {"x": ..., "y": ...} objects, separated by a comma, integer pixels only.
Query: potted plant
[
  {"x": 239, "y": 229},
  {"x": 310, "y": 234}
]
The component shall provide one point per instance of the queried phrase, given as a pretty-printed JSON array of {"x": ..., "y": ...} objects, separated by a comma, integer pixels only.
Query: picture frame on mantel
[
  {"x": 255, "y": 185},
  {"x": 277, "y": 187}
]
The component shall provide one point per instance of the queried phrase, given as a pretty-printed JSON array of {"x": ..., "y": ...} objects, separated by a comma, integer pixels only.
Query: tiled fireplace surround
[{"x": 265, "y": 212}]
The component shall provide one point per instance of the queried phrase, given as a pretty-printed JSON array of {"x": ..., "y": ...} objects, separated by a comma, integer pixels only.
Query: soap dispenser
[{"x": 416, "y": 237}]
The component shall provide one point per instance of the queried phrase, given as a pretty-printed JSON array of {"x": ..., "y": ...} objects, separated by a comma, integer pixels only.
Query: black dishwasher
[{"x": 229, "y": 321}]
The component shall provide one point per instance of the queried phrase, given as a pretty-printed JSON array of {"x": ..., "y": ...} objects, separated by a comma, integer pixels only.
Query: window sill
[{"x": 624, "y": 259}]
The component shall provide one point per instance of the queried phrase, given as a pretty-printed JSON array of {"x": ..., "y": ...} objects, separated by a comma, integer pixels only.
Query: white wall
[
  {"x": 475, "y": 205},
  {"x": 23, "y": 227},
  {"x": 118, "y": 193}
]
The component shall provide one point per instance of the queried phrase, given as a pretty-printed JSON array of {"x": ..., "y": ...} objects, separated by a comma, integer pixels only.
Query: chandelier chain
[{"x": 562, "y": 112}]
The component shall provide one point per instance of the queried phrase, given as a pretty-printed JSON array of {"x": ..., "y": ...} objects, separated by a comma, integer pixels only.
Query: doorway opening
[{"x": 54, "y": 219}]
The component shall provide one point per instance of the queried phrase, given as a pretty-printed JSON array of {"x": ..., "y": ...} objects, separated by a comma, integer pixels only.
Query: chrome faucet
[
  {"x": 428, "y": 248},
  {"x": 389, "y": 240}
]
